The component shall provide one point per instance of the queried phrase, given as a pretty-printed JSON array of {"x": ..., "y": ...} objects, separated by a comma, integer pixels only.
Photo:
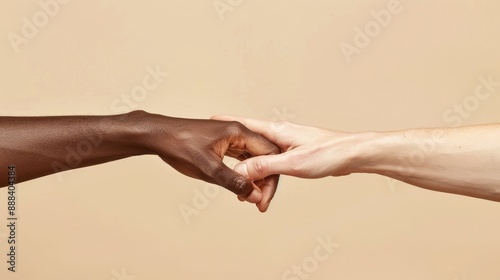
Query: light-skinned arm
[
  {"x": 39, "y": 146},
  {"x": 463, "y": 160}
]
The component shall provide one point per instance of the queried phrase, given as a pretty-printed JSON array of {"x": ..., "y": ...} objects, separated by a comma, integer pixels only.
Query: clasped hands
[
  {"x": 265, "y": 150},
  {"x": 449, "y": 160}
]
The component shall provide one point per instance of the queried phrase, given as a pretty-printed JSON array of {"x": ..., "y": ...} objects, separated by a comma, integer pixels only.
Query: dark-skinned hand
[
  {"x": 39, "y": 146},
  {"x": 196, "y": 149}
]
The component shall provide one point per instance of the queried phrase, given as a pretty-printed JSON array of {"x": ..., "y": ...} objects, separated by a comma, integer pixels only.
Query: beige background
[{"x": 266, "y": 59}]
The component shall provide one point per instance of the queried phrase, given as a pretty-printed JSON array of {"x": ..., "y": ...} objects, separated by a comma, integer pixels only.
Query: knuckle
[
  {"x": 234, "y": 128},
  {"x": 241, "y": 187}
]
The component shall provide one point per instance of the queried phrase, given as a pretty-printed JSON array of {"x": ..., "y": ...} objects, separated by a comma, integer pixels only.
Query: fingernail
[{"x": 242, "y": 169}]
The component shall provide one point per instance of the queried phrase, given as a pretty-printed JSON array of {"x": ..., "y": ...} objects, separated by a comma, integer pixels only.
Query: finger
[
  {"x": 265, "y": 128},
  {"x": 255, "y": 144},
  {"x": 268, "y": 186},
  {"x": 237, "y": 183},
  {"x": 239, "y": 137},
  {"x": 260, "y": 167},
  {"x": 236, "y": 137},
  {"x": 233, "y": 153},
  {"x": 243, "y": 157},
  {"x": 239, "y": 155}
]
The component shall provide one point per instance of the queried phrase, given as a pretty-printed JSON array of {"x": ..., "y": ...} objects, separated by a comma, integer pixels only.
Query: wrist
[
  {"x": 154, "y": 133},
  {"x": 377, "y": 152},
  {"x": 138, "y": 129}
]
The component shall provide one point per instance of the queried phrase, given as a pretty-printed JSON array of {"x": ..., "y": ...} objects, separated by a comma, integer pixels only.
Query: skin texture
[
  {"x": 40, "y": 146},
  {"x": 463, "y": 160}
]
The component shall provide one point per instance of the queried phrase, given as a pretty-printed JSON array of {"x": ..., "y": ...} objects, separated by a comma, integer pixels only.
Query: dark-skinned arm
[{"x": 40, "y": 146}]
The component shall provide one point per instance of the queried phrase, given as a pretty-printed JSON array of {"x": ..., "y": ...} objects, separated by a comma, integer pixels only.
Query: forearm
[
  {"x": 462, "y": 160},
  {"x": 40, "y": 146}
]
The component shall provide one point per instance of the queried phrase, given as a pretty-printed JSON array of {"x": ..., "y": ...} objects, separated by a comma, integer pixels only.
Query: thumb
[
  {"x": 237, "y": 183},
  {"x": 260, "y": 167}
]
